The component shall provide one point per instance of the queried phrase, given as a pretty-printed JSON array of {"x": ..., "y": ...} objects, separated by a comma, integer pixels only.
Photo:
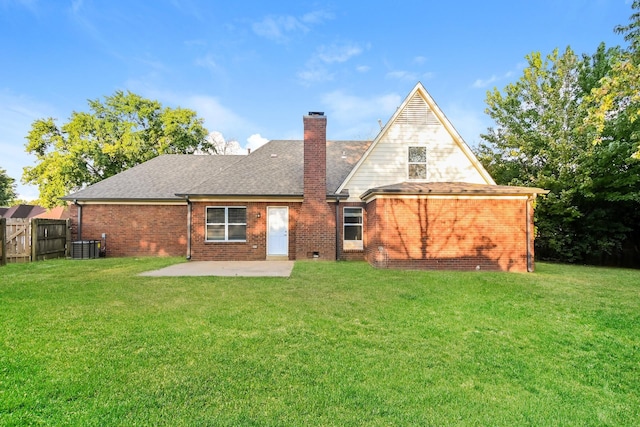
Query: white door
[{"x": 278, "y": 230}]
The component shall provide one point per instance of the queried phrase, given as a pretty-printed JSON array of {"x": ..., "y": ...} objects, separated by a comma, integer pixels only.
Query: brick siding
[
  {"x": 255, "y": 246},
  {"x": 134, "y": 230},
  {"x": 449, "y": 233}
]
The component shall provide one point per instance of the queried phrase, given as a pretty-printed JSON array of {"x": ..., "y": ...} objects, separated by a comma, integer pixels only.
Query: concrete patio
[{"x": 226, "y": 268}]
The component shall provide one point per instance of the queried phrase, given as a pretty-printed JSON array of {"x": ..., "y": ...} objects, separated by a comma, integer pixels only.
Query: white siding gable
[{"x": 418, "y": 122}]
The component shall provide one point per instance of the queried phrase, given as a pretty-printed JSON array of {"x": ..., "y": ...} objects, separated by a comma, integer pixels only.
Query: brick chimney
[
  {"x": 316, "y": 225},
  {"x": 315, "y": 156}
]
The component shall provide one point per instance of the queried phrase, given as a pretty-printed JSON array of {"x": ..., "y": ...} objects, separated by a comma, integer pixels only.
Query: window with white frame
[
  {"x": 226, "y": 224},
  {"x": 417, "y": 162},
  {"x": 352, "y": 218}
]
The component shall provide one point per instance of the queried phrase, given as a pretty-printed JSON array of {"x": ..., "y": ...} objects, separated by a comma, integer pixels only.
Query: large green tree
[
  {"x": 544, "y": 136},
  {"x": 7, "y": 188},
  {"x": 117, "y": 133}
]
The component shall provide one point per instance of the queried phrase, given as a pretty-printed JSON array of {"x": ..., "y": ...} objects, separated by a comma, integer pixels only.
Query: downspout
[
  {"x": 528, "y": 228},
  {"x": 75, "y": 202},
  {"x": 189, "y": 208},
  {"x": 337, "y": 229}
]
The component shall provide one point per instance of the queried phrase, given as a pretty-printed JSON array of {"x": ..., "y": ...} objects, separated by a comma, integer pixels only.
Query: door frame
[{"x": 272, "y": 256}]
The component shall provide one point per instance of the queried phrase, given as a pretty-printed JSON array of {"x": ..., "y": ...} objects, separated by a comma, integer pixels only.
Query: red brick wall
[
  {"x": 452, "y": 234},
  {"x": 255, "y": 247},
  {"x": 134, "y": 230},
  {"x": 316, "y": 226}
]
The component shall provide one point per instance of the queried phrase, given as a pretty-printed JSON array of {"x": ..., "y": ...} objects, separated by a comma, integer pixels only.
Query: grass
[{"x": 91, "y": 343}]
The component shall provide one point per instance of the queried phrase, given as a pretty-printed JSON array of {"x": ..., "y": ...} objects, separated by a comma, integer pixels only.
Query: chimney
[
  {"x": 315, "y": 156},
  {"x": 316, "y": 222}
]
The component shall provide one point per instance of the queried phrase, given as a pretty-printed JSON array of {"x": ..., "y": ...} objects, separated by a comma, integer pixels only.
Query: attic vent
[{"x": 417, "y": 112}]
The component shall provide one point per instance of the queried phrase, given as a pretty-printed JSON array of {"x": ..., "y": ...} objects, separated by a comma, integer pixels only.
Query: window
[
  {"x": 352, "y": 229},
  {"x": 417, "y": 162},
  {"x": 226, "y": 224}
]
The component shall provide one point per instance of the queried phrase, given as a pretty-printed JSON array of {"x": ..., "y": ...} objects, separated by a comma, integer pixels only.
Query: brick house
[{"x": 414, "y": 197}]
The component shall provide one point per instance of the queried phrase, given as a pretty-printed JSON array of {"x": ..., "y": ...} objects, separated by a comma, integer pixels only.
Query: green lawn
[{"x": 91, "y": 343}]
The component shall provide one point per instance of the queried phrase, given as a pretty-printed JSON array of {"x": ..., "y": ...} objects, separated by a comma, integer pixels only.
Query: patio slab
[{"x": 226, "y": 268}]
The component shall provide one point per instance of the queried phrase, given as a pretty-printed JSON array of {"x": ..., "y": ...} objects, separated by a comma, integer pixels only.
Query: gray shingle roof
[
  {"x": 157, "y": 179},
  {"x": 275, "y": 169},
  {"x": 452, "y": 188}
]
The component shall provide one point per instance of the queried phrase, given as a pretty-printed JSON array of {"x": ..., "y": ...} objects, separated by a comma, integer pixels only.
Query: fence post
[
  {"x": 67, "y": 252},
  {"x": 3, "y": 243},
  {"x": 34, "y": 238}
]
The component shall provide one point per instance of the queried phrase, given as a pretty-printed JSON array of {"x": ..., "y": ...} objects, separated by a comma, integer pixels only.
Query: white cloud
[
  {"x": 483, "y": 83},
  {"x": 255, "y": 141},
  {"x": 317, "y": 17},
  {"x": 362, "y": 68},
  {"x": 315, "y": 73},
  {"x": 338, "y": 53},
  {"x": 316, "y": 67},
  {"x": 17, "y": 113},
  {"x": 207, "y": 62},
  {"x": 216, "y": 116},
  {"x": 419, "y": 60},
  {"x": 357, "y": 117},
  {"x": 277, "y": 28},
  {"x": 409, "y": 76},
  {"x": 280, "y": 28},
  {"x": 469, "y": 123}
]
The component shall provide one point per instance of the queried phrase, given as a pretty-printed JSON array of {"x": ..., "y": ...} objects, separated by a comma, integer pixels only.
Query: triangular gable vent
[{"x": 417, "y": 112}]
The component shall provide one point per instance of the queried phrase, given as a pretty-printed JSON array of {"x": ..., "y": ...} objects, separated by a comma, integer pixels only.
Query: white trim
[
  {"x": 426, "y": 163},
  {"x": 226, "y": 224},
  {"x": 181, "y": 202},
  {"x": 247, "y": 199},
  {"x": 287, "y": 235},
  {"x": 373, "y": 197},
  {"x": 361, "y": 224}
]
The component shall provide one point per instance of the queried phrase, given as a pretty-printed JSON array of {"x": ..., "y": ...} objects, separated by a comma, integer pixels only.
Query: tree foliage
[
  {"x": 117, "y": 133},
  {"x": 7, "y": 188},
  {"x": 548, "y": 136}
]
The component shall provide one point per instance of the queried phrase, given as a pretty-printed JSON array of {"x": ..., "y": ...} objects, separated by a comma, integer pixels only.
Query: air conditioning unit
[{"x": 85, "y": 249}]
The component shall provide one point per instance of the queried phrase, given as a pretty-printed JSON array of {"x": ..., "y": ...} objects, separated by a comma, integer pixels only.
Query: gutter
[
  {"x": 189, "y": 209},
  {"x": 337, "y": 229}
]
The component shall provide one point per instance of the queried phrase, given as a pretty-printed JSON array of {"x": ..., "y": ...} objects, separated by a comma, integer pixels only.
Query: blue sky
[{"x": 252, "y": 69}]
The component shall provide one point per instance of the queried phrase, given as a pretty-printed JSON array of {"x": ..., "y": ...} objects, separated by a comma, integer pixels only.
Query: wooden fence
[{"x": 34, "y": 239}]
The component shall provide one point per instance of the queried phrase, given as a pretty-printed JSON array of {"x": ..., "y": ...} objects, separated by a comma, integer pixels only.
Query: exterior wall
[
  {"x": 387, "y": 162},
  {"x": 449, "y": 233},
  {"x": 255, "y": 247},
  {"x": 134, "y": 230}
]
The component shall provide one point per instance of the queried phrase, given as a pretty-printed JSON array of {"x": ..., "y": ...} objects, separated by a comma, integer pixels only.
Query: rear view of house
[{"x": 414, "y": 197}]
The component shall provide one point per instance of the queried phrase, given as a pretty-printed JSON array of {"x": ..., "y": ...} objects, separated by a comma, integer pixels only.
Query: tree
[
  {"x": 116, "y": 134},
  {"x": 544, "y": 138},
  {"x": 223, "y": 146},
  {"x": 616, "y": 102},
  {"x": 7, "y": 188}
]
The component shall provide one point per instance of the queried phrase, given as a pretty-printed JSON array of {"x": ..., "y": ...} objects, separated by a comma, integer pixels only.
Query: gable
[{"x": 418, "y": 122}]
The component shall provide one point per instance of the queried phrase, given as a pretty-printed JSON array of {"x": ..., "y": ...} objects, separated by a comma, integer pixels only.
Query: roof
[
  {"x": 58, "y": 212},
  {"x": 276, "y": 169},
  {"x": 449, "y": 188},
  {"x": 157, "y": 179},
  {"x": 23, "y": 211}
]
